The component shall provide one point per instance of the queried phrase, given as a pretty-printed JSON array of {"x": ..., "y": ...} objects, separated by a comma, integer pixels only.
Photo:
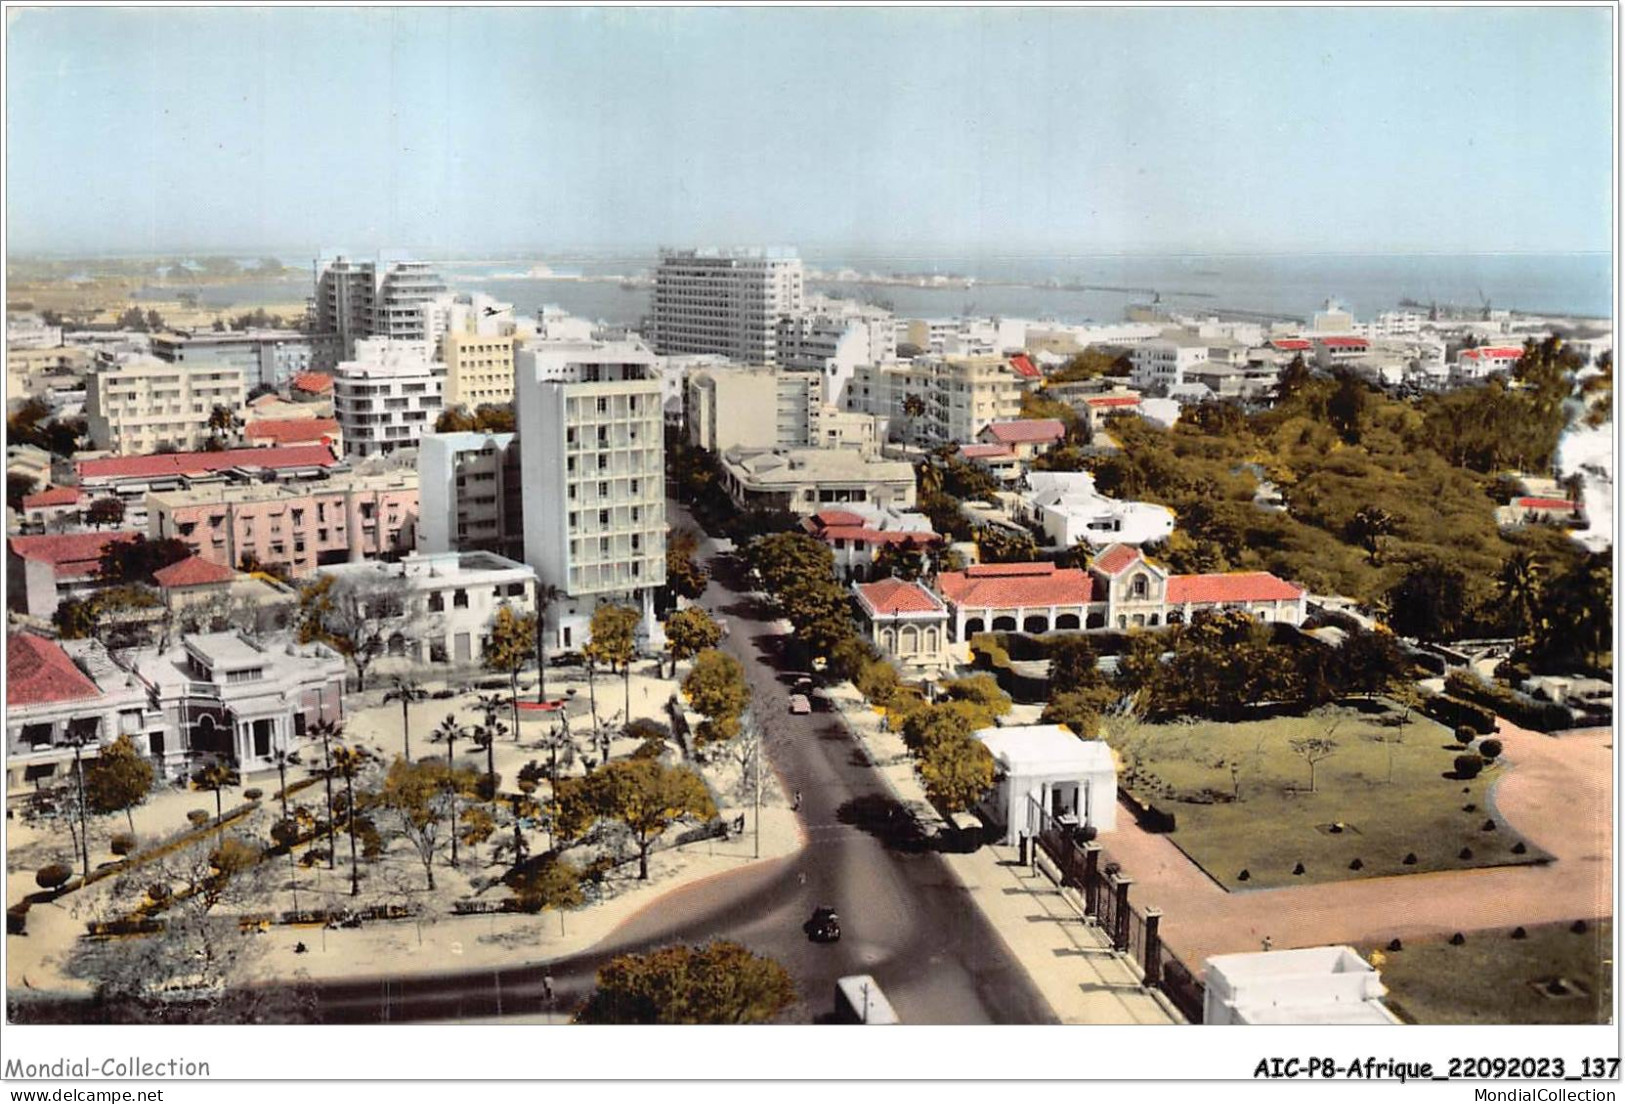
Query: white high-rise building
[
  {"x": 726, "y": 301},
  {"x": 389, "y": 295},
  {"x": 139, "y": 404},
  {"x": 387, "y": 397},
  {"x": 592, "y": 442}
]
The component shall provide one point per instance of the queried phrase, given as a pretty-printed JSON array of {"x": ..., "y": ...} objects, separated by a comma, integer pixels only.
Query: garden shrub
[
  {"x": 122, "y": 844},
  {"x": 1457, "y": 713},
  {"x": 1490, "y": 749},
  {"x": 1468, "y": 766},
  {"x": 52, "y": 875}
]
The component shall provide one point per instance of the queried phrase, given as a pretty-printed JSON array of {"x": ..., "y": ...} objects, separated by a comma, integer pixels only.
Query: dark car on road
[{"x": 824, "y": 927}]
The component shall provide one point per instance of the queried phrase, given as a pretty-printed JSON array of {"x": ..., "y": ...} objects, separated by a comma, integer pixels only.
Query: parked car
[
  {"x": 567, "y": 659},
  {"x": 824, "y": 926},
  {"x": 799, "y": 704}
]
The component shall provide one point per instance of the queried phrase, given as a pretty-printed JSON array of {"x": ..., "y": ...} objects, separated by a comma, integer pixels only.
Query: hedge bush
[
  {"x": 122, "y": 844},
  {"x": 1459, "y": 714},
  {"x": 1519, "y": 708},
  {"x": 52, "y": 875},
  {"x": 1468, "y": 766},
  {"x": 1490, "y": 749}
]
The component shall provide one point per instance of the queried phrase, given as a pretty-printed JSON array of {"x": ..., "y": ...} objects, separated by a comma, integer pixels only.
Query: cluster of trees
[
  {"x": 799, "y": 571},
  {"x": 697, "y": 477},
  {"x": 257, "y": 319},
  {"x": 719, "y": 983},
  {"x": 486, "y": 418},
  {"x": 1092, "y": 362},
  {"x": 1389, "y": 501},
  {"x": 134, "y": 318},
  {"x": 32, "y": 423},
  {"x": 716, "y": 687}
]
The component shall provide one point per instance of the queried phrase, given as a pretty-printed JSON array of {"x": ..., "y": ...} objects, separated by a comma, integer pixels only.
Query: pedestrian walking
[
  {"x": 1267, "y": 943},
  {"x": 797, "y": 803},
  {"x": 547, "y": 986}
]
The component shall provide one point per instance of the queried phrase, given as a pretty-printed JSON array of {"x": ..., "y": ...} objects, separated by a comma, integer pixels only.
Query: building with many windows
[
  {"x": 297, "y": 527},
  {"x": 387, "y": 397},
  {"x": 959, "y": 395},
  {"x": 727, "y": 301},
  {"x": 591, "y": 424},
  {"x": 137, "y": 405},
  {"x": 805, "y": 481},
  {"x": 266, "y": 357},
  {"x": 471, "y": 494},
  {"x": 389, "y": 295},
  {"x": 131, "y": 478},
  {"x": 451, "y": 598}
]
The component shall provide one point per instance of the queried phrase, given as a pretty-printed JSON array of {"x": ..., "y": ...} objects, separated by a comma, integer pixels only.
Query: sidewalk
[{"x": 1068, "y": 959}]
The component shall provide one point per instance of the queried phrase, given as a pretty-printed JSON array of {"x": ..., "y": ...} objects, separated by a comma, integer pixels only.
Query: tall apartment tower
[
  {"x": 591, "y": 428},
  {"x": 728, "y": 302},
  {"x": 389, "y": 295},
  {"x": 387, "y": 397}
]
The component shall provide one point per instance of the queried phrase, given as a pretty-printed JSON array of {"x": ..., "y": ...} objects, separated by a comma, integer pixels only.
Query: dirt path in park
[{"x": 1556, "y": 791}]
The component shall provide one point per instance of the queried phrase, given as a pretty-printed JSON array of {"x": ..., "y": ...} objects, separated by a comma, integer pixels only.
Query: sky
[{"x": 951, "y": 130}]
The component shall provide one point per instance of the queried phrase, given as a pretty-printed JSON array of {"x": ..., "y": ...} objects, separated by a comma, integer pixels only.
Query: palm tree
[
  {"x": 406, "y": 690},
  {"x": 284, "y": 759},
  {"x": 486, "y": 736},
  {"x": 1520, "y": 585},
  {"x": 216, "y": 777},
  {"x": 449, "y": 732},
  {"x": 327, "y": 732},
  {"x": 546, "y": 596},
  {"x": 350, "y": 761},
  {"x": 913, "y": 409},
  {"x": 929, "y": 476}
]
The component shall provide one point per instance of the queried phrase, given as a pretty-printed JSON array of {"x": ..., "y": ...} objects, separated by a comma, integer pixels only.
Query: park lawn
[
  {"x": 1278, "y": 823},
  {"x": 1495, "y": 979}
]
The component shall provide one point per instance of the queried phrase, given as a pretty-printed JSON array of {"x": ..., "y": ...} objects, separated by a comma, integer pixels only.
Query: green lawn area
[
  {"x": 1495, "y": 979},
  {"x": 1277, "y": 823}
]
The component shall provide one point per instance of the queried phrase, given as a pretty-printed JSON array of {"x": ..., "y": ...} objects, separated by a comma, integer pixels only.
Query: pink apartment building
[{"x": 346, "y": 519}]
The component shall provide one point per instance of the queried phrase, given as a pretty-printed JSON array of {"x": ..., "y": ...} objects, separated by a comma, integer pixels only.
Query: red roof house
[
  {"x": 50, "y": 498},
  {"x": 113, "y": 468},
  {"x": 312, "y": 383},
  {"x": 1292, "y": 344},
  {"x": 194, "y": 571},
  {"x": 1240, "y": 586},
  {"x": 1016, "y": 586},
  {"x": 893, "y": 596},
  {"x": 69, "y": 555},
  {"x": 986, "y": 452},
  {"x": 292, "y": 431},
  {"x": 1027, "y": 431},
  {"x": 1023, "y": 366},
  {"x": 39, "y": 672},
  {"x": 1117, "y": 559}
]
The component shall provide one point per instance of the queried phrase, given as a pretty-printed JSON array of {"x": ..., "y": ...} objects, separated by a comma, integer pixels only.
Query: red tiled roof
[
  {"x": 1245, "y": 586},
  {"x": 1562, "y": 504},
  {"x": 1113, "y": 400},
  {"x": 838, "y": 517},
  {"x": 875, "y": 536},
  {"x": 1344, "y": 342},
  {"x": 52, "y": 496},
  {"x": 984, "y": 452},
  {"x": 292, "y": 430},
  {"x": 1024, "y": 367},
  {"x": 70, "y": 554},
  {"x": 1116, "y": 558},
  {"x": 1012, "y": 587},
  {"x": 897, "y": 596},
  {"x": 1494, "y": 352},
  {"x": 38, "y": 672},
  {"x": 316, "y": 383},
  {"x": 193, "y": 571},
  {"x": 1291, "y": 344},
  {"x": 1027, "y": 430},
  {"x": 198, "y": 463}
]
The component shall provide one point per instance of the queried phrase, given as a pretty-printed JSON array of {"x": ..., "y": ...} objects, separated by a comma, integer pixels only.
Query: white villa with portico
[{"x": 905, "y": 621}]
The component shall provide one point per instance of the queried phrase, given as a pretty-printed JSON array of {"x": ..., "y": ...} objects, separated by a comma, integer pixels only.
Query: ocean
[{"x": 1077, "y": 288}]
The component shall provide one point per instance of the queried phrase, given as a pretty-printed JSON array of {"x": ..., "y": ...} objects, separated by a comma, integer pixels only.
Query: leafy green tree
[
  {"x": 1431, "y": 601},
  {"x": 494, "y": 418},
  {"x": 614, "y": 642},
  {"x": 1313, "y": 750},
  {"x": 454, "y": 419},
  {"x": 981, "y": 690},
  {"x": 356, "y": 615},
  {"x": 932, "y": 724},
  {"x": 785, "y": 558},
  {"x": 1074, "y": 665},
  {"x": 1369, "y": 528},
  {"x": 414, "y": 795},
  {"x": 996, "y": 544},
  {"x": 957, "y": 772},
  {"x": 105, "y": 511},
  {"x": 136, "y": 560},
  {"x": 119, "y": 779},
  {"x": 407, "y": 691},
  {"x": 1077, "y": 710},
  {"x": 642, "y": 794},
  {"x": 716, "y": 687},
  {"x": 720, "y": 983},
  {"x": 1519, "y": 588},
  {"x": 904, "y": 559},
  {"x": 690, "y": 632},
  {"x": 821, "y": 611},
  {"x": 684, "y": 574},
  {"x": 223, "y": 423},
  {"x": 19, "y": 487},
  {"x": 508, "y": 648},
  {"x": 547, "y": 883}
]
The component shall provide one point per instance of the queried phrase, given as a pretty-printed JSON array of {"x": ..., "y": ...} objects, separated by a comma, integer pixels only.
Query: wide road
[{"x": 905, "y": 918}]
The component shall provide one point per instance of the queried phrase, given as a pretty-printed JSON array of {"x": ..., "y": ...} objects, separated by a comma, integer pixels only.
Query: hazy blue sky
[{"x": 1049, "y": 130}]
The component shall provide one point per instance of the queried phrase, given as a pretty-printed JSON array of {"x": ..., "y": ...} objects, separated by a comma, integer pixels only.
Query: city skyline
[{"x": 1093, "y": 131}]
